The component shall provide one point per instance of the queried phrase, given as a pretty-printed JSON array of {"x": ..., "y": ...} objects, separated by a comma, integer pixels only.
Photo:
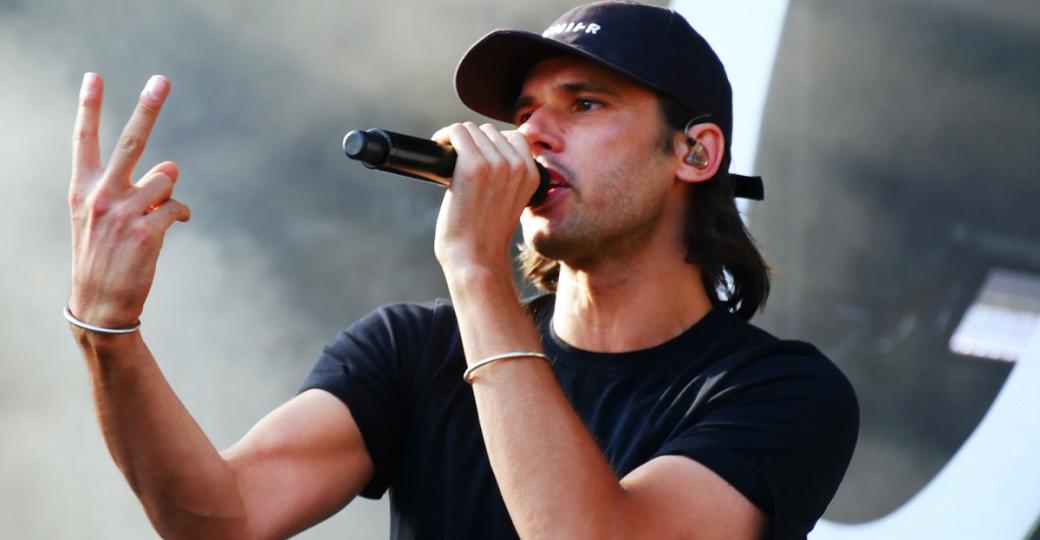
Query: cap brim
[{"x": 489, "y": 76}]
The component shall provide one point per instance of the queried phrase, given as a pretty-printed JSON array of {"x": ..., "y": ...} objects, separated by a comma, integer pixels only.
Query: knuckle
[
  {"x": 130, "y": 142},
  {"x": 83, "y": 134},
  {"x": 481, "y": 168},
  {"x": 517, "y": 171},
  {"x": 76, "y": 199},
  {"x": 141, "y": 232},
  {"x": 532, "y": 181},
  {"x": 517, "y": 139},
  {"x": 99, "y": 204},
  {"x": 162, "y": 181},
  {"x": 506, "y": 169},
  {"x": 123, "y": 213},
  {"x": 497, "y": 163},
  {"x": 147, "y": 108},
  {"x": 514, "y": 160}
]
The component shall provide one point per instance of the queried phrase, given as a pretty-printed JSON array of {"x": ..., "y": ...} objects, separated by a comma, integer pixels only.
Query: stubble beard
[{"x": 609, "y": 225}]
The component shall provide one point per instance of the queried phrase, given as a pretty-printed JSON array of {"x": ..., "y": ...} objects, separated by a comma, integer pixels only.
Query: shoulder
[
  {"x": 400, "y": 320},
  {"x": 404, "y": 313},
  {"x": 394, "y": 342},
  {"x": 755, "y": 356},
  {"x": 775, "y": 418},
  {"x": 794, "y": 376}
]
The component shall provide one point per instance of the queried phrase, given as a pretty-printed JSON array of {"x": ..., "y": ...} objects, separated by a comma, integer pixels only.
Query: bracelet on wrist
[
  {"x": 98, "y": 329},
  {"x": 468, "y": 374}
]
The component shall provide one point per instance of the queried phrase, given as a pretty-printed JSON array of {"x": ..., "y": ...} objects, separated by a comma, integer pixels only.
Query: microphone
[{"x": 415, "y": 157}]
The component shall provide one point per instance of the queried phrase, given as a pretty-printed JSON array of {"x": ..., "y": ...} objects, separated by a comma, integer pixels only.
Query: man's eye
[
  {"x": 585, "y": 105},
  {"x": 521, "y": 118}
]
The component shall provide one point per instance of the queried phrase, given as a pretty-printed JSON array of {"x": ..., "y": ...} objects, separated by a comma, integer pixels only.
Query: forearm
[
  {"x": 118, "y": 226},
  {"x": 185, "y": 486},
  {"x": 539, "y": 449}
]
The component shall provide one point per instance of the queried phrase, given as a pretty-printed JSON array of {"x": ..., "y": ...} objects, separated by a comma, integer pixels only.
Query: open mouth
[
  {"x": 557, "y": 185},
  {"x": 556, "y": 181}
]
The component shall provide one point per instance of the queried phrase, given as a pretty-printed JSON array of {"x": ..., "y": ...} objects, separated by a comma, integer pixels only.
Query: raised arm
[{"x": 296, "y": 467}]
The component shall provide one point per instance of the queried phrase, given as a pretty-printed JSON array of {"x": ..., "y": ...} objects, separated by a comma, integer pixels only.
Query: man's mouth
[
  {"x": 556, "y": 180},
  {"x": 558, "y": 185}
]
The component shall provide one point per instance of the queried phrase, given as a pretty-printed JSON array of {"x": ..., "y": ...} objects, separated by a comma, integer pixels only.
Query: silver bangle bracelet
[
  {"x": 98, "y": 329},
  {"x": 468, "y": 374}
]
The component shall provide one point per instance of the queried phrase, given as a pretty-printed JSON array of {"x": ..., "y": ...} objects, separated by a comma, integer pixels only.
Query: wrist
[
  {"x": 466, "y": 276},
  {"x": 473, "y": 256},
  {"x": 103, "y": 314},
  {"x": 107, "y": 330},
  {"x": 100, "y": 347}
]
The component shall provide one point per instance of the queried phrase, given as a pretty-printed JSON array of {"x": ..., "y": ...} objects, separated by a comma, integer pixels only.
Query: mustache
[{"x": 554, "y": 164}]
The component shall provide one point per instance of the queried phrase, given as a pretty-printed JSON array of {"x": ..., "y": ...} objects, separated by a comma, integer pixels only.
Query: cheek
[
  {"x": 615, "y": 176},
  {"x": 630, "y": 184}
]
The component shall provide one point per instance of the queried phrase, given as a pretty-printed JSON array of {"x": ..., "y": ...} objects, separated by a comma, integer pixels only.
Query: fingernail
[
  {"x": 155, "y": 87},
  {"x": 88, "y": 85}
]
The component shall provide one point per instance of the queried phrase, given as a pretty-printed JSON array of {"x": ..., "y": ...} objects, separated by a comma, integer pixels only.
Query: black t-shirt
[{"x": 774, "y": 418}]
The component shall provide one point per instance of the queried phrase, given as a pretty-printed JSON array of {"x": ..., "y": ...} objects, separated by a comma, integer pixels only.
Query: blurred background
[
  {"x": 897, "y": 145},
  {"x": 899, "y": 139}
]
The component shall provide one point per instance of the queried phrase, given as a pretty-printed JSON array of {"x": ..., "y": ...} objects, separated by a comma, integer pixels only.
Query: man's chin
[{"x": 552, "y": 247}]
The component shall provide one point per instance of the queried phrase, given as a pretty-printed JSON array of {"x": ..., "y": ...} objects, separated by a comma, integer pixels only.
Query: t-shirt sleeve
[
  {"x": 367, "y": 367},
  {"x": 780, "y": 426}
]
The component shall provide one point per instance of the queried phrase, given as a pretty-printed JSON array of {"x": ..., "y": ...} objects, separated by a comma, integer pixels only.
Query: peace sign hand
[{"x": 118, "y": 225}]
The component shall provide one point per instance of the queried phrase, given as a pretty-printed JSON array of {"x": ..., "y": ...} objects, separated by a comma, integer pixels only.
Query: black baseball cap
[{"x": 654, "y": 46}]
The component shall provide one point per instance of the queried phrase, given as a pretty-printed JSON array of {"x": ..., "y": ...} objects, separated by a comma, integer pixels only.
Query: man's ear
[{"x": 700, "y": 153}]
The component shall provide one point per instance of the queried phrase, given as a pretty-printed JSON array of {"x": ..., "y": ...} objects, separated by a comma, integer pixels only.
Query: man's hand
[
  {"x": 117, "y": 225},
  {"x": 493, "y": 182}
]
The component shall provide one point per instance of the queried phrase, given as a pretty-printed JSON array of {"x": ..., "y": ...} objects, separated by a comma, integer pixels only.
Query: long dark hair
[{"x": 734, "y": 274}]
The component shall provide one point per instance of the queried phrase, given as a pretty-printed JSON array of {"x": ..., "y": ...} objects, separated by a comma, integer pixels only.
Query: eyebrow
[{"x": 575, "y": 87}]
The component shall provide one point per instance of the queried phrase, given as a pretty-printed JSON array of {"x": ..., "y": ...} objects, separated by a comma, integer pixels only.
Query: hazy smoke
[{"x": 289, "y": 241}]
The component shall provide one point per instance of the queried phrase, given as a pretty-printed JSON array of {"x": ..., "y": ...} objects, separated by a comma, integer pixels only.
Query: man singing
[{"x": 634, "y": 401}]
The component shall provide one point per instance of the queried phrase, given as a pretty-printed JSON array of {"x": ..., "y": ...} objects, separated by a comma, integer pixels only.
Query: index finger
[
  {"x": 443, "y": 135},
  {"x": 85, "y": 155},
  {"x": 135, "y": 134},
  {"x": 523, "y": 148}
]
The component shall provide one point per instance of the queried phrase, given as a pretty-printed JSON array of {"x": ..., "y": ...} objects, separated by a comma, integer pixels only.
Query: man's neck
[{"x": 628, "y": 305}]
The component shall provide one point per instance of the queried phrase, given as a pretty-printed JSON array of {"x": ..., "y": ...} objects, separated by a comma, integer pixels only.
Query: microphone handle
[{"x": 415, "y": 157}]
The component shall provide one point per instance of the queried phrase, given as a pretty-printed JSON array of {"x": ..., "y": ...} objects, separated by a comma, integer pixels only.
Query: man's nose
[{"x": 543, "y": 131}]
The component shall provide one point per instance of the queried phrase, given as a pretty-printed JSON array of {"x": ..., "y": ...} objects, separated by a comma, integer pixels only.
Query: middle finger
[
  {"x": 489, "y": 149},
  {"x": 135, "y": 134}
]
